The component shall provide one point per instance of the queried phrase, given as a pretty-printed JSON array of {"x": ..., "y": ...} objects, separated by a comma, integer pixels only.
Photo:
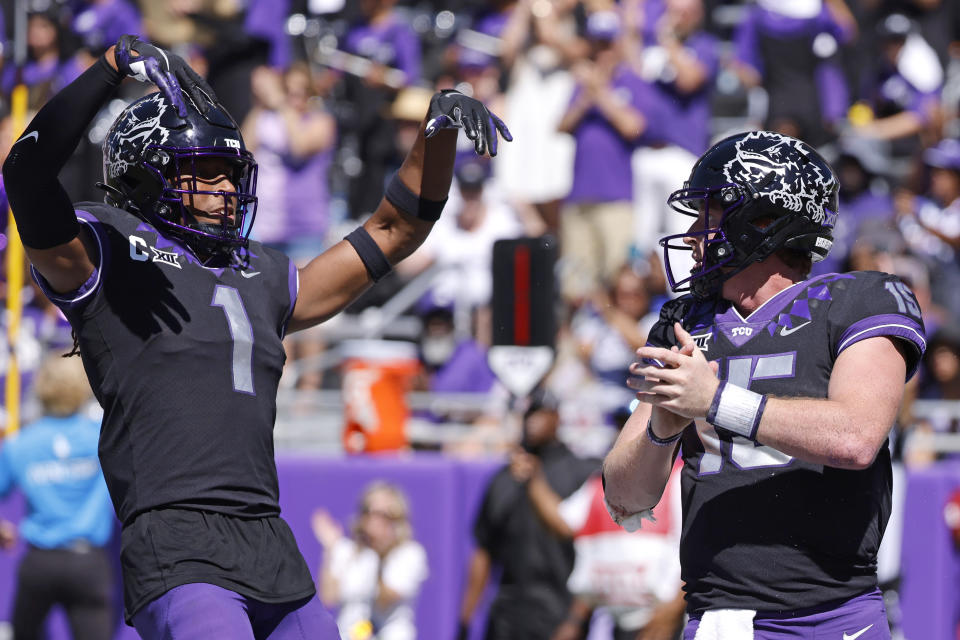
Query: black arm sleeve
[{"x": 41, "y": 207}]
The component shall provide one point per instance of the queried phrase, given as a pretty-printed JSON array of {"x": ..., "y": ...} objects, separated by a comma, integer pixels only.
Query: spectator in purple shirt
[
  {"x": 493, "y": 19},
  {"x": 680, "y": 61},
  {"x": 864, "y": 200},
  {"x": 384, "y": 38},
  {"x": 930, "y": 222},
  {"x": 453, "y": 348},
  {"x": 905, "y": 94},
  {"x": 605, "y": 117},
  {"x": 100, "y": 23},
  {"x": 453, "y": 363},
  {"x": 790, "y": 48},
  {"x": 267, "y": 19},
  {"x": 293, "y": 136},
  {"x": 49, "y": 65}
]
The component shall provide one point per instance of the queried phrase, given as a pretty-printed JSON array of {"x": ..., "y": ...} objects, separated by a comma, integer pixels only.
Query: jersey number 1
[{"x": 228, "y": 299}]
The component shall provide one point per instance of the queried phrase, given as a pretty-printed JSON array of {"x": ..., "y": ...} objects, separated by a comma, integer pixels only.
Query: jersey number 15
[{"x": 744, "y": 453}]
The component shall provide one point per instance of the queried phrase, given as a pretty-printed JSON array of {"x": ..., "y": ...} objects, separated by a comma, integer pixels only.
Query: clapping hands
[{"x": 679, "y": 380}]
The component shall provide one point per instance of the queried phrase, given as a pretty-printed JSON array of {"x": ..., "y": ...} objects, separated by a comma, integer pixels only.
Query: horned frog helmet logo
[
  {"x": 139, "y": 128},
  {"x": 794, "y": 183}
]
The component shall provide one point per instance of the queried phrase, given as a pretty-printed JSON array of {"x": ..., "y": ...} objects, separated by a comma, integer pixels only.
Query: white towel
[{"x": 726, "y": 624}]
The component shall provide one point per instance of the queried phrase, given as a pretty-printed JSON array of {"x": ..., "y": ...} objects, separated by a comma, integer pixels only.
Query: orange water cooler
[{"x": 376, "y": 377}]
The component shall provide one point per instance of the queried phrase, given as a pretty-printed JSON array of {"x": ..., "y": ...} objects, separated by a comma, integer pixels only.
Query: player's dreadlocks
[{"x": 75, "y": 351}]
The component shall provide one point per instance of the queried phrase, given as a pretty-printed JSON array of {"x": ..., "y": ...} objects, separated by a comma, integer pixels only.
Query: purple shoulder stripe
[
  {"x": 84, "y": 293},
  {"x": 887, "y": 324},
  {"x": 293, "y": 281}
]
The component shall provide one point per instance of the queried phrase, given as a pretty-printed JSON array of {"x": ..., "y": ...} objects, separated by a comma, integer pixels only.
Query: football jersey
[
  {"x": 763, "y": 530},
  {"x": 185, "y": 361}
]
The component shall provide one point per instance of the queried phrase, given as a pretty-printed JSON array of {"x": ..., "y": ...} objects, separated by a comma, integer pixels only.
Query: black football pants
[{"x": 80, "y": 582}]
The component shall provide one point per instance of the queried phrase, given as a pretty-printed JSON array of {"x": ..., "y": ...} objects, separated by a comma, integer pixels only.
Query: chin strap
[
  {"x": 215, "y": 229},
  {"x": 206, "y": 246}
]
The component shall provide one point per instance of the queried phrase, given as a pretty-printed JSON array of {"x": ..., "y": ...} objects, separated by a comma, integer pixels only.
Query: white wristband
[{"x": 737, "y": 410}]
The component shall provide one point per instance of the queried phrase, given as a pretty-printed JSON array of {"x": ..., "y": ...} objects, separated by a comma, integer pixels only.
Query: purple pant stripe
[
  {"x": 204, "y": 611},
  {"x": 863, "y": 618}
]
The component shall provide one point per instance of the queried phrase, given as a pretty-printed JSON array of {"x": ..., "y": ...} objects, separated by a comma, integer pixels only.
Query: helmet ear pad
[
  {"x": 144, "y": 189},
  {"x": 717, "y": 252},
  {"x": 141, "y": 187},
  {"x": 752, "y": 231},
  {"x": 756, "y": 233}
]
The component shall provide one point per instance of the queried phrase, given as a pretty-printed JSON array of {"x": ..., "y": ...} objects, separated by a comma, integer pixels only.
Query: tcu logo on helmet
[
  {"x": 138, "y": 128},
  {"x": 797, "y": 185}
]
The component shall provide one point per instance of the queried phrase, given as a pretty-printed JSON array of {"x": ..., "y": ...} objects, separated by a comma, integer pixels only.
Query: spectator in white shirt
[
  {"x": 461, "y": 244},
  {"x": 375, "y": 575}
]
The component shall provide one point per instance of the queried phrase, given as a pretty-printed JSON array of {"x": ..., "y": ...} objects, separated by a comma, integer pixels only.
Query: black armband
[
  {"x": 400, "y": 196},
  {"x": 43, "y": 211},
  {"x": 657, "y": 440},
  {"x": 369, "y": 251}
]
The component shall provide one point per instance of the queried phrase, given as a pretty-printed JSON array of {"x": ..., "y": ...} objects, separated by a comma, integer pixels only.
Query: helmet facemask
[
  {"x": 706, "y": 276},
  {"x": 192, "y": 174}
]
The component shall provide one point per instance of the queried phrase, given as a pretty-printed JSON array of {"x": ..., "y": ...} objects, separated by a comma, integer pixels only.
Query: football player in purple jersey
[
  {"x": 779, "y": 390},
  {"x": 179, "y": 321}
]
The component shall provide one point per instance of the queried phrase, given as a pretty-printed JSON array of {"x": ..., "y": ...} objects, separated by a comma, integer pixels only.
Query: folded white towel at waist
[{"x": 726, "y": 624}]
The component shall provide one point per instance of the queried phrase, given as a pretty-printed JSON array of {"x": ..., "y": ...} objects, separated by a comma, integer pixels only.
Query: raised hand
[
  {"x": 679, "y": 379},
  {"x": 170, "y": 72},
  {"x": 327, "y": 530},
  {"x": 452, "y": 109},
  {"x": 523, "y": 466}
]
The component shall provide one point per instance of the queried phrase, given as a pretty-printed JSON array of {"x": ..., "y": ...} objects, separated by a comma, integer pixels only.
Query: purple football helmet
[
  {"x": 153, "y": 160},
  {"x": 775, "y": 192}
]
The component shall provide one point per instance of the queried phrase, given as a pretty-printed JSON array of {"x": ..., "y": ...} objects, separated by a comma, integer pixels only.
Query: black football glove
[
  {"x": 147, "y": 63},
  {"x": 451, "y": 109}
]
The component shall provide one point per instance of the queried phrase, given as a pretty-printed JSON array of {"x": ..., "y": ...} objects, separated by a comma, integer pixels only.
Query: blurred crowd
[{"x": 610, "y": 103}]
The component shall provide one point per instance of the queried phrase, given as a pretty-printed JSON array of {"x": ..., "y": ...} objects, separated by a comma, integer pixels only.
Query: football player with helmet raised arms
[
  {"x": 779, "y": 390},
  {"x": 179, "y": 320}
]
